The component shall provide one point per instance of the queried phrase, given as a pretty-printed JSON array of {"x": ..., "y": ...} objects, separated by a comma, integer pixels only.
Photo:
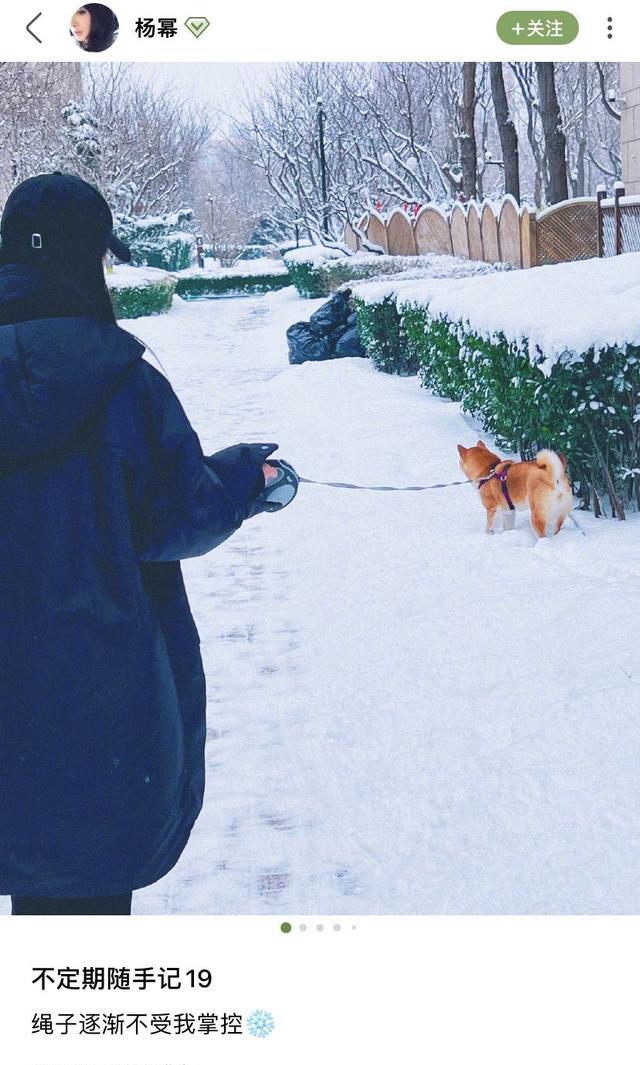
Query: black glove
[{"x": 239, "y": 467}]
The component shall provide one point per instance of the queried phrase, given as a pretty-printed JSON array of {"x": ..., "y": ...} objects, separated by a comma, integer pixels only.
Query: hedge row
[
  {"x": 382, "y": 334},
  {"x": 138, "y": 301},
  {"x": 195, "y": 287},
  {"x": 150, "y": 292},
  {"x": 322, "y": 277},
  {"x": 588, "y": 408}
]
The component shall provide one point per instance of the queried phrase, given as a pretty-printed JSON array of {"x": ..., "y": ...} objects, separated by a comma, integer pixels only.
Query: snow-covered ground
[{"x": 405, "y": 715}]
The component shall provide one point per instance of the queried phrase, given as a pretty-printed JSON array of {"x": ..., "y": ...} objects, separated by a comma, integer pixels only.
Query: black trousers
[{"x": 107, "y": 904}]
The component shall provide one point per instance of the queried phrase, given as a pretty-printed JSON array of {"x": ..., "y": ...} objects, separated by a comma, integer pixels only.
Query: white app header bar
[{"x": 331, "y": 30}]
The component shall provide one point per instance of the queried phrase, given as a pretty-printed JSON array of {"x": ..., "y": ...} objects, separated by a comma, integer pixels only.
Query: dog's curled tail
[{"x": 552, "y": 464}]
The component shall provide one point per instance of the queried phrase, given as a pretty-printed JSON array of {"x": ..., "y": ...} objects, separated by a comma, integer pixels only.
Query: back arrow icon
[{"x": 30, "y": 24}]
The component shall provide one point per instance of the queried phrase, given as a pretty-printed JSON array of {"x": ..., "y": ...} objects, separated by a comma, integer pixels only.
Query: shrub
[
  {"x": 383, "y": 328},
  {"x": 160, "y": 241},
  {"x": 588, "y": 408},
  {"x": 138, "y": 293},
  {"x": 383, "y": 336},
  {"x": 542, "y": 358},
  {"x": 199, "y": 285},
  {"x": 318, "y": 272}
]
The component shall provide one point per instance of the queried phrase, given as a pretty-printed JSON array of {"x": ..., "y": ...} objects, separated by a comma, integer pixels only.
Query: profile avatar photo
[{"x": 95, "y": 27}]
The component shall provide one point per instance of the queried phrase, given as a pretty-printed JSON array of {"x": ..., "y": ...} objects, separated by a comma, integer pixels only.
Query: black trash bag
[
  {"x": 334, "y": 336},
  {"x": 352, "y": 319},
  {"x": 305, "y": 345},
  {"x": 332, "y": 313},
  {"x": 349, "y": 345}
]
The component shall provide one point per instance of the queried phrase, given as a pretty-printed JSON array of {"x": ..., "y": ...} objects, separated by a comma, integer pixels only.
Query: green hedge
[
  {"x": 161, "y": 241},
  {"x": 588, "y": 407},
  {"x": 316, "y": 279},
  {"x": 194, "y": 287},
  {"x": 138, "y": 301},
  {"x": 383, "y": 336},
  {"x": 174, "y": 252}
]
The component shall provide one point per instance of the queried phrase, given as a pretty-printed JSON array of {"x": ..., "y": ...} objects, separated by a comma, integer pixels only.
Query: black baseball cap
[{"x": 61, "y": 213}]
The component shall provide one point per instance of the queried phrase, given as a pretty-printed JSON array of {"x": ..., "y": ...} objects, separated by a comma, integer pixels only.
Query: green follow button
[{"x": 537, "y": 27}]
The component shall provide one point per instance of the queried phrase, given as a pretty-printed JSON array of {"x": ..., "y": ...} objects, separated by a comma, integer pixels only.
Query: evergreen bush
[
  {"x": 209, "y": 284},
  {"x": 318, "y": 277},
  {"x": 137, "y": 299},
  {"x": 162, "y": 241},
  {"x": 587, "y": 406}
]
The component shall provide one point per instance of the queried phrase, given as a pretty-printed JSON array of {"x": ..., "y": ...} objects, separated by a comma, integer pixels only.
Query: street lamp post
[
  {"x": 323, "y": 169},
  {"x": 210, "y": 201}
]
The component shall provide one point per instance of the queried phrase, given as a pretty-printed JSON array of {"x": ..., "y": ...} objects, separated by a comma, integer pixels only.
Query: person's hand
[
  {"x": 269, "y": 472},
  {"x": 281, "y": 485}
]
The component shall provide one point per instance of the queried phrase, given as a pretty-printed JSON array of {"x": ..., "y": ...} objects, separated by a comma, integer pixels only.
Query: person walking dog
[{"x": 104, "y": 488}]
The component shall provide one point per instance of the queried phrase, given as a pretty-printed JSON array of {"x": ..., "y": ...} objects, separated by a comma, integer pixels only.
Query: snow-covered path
[{"x": 405, "y": 715}]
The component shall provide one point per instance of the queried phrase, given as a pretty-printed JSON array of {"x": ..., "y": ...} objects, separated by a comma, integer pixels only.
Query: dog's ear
[
  {"x": 563, "y": 460},
  {"x": 481, "y": 443},
  {"x": 462, "y": 450}
]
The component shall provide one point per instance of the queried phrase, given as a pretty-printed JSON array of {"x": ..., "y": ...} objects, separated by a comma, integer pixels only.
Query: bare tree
[
  {"x": 468, "y": 146},
  {"x": 139, "y": 145},
  {"x": 32, "y": 96},
  {"x": 403, "y": 134},
  {"x": 148, "y": 141},
  {"x": 554, "y": 138},
  {"x": 507, "y": 132},
  {"x": 229, "y": 197}
]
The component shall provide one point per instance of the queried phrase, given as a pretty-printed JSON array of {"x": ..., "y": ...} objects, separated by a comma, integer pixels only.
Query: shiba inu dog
[{"x": 541, "y": 486}]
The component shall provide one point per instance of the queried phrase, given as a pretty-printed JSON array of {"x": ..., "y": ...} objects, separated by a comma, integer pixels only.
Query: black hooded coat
[{"x": 103, "y": 488}]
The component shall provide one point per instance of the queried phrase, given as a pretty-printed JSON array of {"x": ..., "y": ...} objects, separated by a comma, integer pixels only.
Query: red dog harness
[{"x": 502, "y": 477}]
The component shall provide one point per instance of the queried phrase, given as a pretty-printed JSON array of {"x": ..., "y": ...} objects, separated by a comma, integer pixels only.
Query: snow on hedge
[
  {"x": 314, "y": 254},
  {"x": 135, "y": 276},
  {"x": 244, "y": 268},
  {"x": 554, "y": 313},
  {"x": 329, "y": 259},
  {"x": 418, "y": 268}
]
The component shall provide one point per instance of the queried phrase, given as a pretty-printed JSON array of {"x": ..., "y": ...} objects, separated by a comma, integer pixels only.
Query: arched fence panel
[
  {"x": 351, "y": 238},
  {"x": 489, "y": 229},
  {"x": 377, "y": 232},
  {"x": 509, "y": 232},
  {"x": 432, "y": 233},
  {"x": 400, "y": 235},
  {"x": 459, "y": 232},
  {"x": 474, "y": 233}
]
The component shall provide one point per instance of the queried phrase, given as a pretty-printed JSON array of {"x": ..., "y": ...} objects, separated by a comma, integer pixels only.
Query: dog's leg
[
  {"x": 539, "y": 522},
  {"x": 564, "y": 514},
  {"x": 508, "y": 520},
  {"x": 491, "y": 517}
]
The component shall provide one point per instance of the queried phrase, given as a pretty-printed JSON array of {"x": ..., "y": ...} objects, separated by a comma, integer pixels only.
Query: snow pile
[
  {"x": 331, "y": 258},
  {"x": 425, "y": 266},
  {"x": 313, "y": 255},
  {"x": 552, "y": 313}
]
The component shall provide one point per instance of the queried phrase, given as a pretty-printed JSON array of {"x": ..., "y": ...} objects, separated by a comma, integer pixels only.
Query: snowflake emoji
[{"x": 260, "y": 1023}]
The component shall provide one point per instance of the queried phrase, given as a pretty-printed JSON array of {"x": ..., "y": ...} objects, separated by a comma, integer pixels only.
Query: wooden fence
[{"x": 493, "y": 232}]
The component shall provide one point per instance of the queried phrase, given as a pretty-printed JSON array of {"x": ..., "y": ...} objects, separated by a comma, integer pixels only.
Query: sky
[{"x": 220, "y": 84}]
